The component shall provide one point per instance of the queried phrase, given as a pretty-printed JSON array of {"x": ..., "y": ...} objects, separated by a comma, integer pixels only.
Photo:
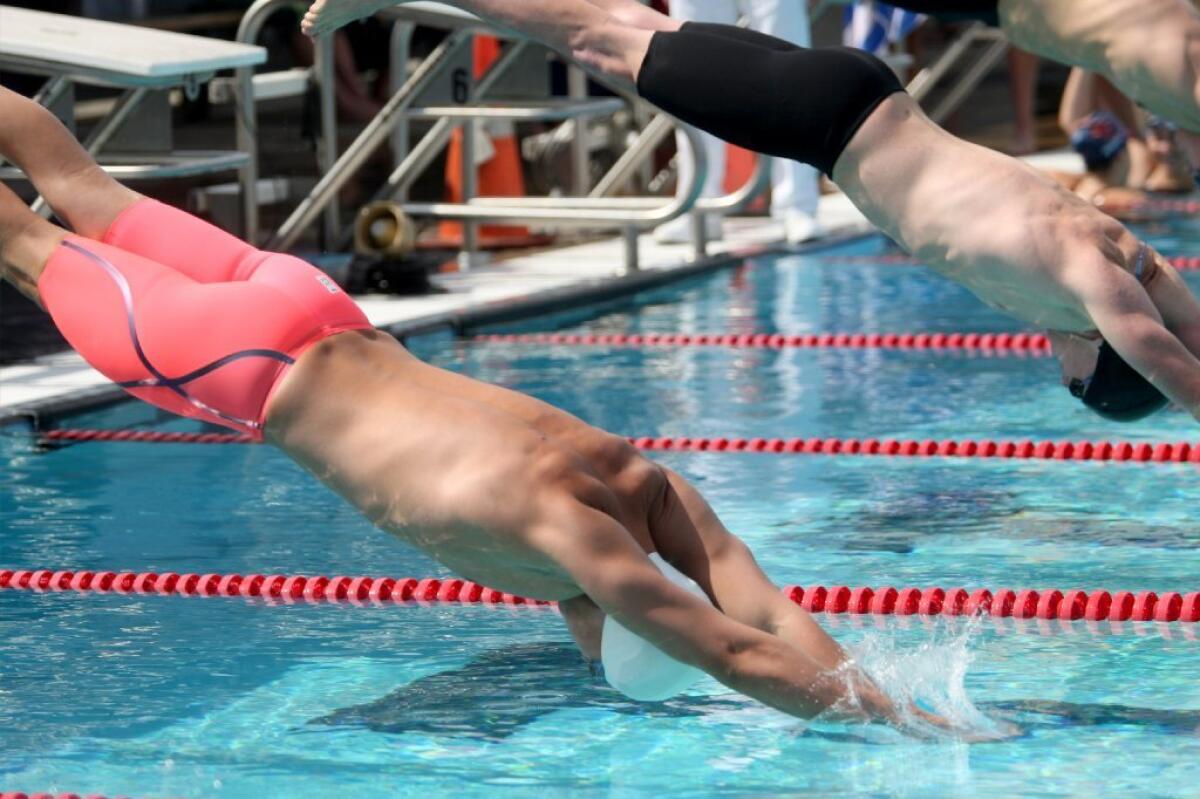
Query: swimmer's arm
[
  {"x": 1129, "y": 322},
  {"x": 618, "y": 577}
]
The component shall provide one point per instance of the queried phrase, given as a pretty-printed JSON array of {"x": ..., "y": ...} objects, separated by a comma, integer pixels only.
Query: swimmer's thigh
[
  {"x": 186, "y": 243},
  {"x": 136, "y": 320}
]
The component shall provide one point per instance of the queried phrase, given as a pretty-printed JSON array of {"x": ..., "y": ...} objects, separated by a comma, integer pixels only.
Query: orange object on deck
[
  {"x": 739, "y": 166},
  {"x": 500, "y": 176}
]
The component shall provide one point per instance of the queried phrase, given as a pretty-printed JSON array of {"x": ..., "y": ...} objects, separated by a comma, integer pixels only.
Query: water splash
[{"x": 931, "y": 678}]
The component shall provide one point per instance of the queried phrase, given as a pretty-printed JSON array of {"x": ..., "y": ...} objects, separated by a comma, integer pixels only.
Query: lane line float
[
  {"x": 1070, "y": 604},
  {"x": 1116, "y": 451},
  {"x": 1027, "y": 344}
]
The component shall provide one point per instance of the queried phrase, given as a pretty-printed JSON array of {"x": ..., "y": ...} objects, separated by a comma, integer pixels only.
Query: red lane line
[
  {"x": 1119, "y": 451},
  {"x": 20, "y": 795},
  {"x": 1067, "y": 605},
  {"x": 1030, "y": 344},
  {"x": 1180, "y": 452}
]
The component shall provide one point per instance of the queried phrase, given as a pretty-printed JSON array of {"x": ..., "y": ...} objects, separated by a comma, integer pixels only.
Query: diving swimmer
[
  {"x": 1123, "y": 323},
  {"x": 503, "y": 489}
]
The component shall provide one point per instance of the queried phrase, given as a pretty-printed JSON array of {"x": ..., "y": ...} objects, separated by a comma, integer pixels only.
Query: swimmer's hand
[{"x": 1002, "y": 731}]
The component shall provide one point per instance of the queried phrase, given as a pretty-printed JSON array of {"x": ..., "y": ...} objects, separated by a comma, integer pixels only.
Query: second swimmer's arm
[{"x": 1128, "y": 320}]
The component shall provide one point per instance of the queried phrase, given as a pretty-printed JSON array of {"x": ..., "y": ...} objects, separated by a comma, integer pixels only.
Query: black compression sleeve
[{"x": 793, "y": 103}]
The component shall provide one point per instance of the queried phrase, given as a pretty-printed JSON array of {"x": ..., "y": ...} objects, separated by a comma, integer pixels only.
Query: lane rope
[
  {"x": 1182, "y": 263},
  {"x": 1028, "y": 344},
  {"x": 20, "y": 795},
  {"x": 1026, "y": 603},
  {"x": 1118, "y": 451}
]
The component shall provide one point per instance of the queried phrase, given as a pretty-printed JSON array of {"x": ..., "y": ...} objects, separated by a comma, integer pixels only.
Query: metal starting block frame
[
  {"x": 133, "y": 140},
  {"x": 442, "y": 88}
]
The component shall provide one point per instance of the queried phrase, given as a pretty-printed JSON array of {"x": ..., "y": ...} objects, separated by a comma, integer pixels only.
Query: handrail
[
  {"x": 621, "y": 211},
  {"x": 375, "y": 134}
]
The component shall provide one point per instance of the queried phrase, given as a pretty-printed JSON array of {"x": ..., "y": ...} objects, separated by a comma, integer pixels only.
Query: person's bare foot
[
  {"x": 26, "y": 243},
  {"x": 325, "y": 16}
]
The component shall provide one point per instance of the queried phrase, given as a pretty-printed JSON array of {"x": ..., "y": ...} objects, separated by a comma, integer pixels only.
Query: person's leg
[
  {"x": 26, "y": 243},
  {"x": 78, "y": 190},
  {"x": 720, "y": 12},
  {"x": 800, "y": 104},
  {"x": 589, "y": 33}
]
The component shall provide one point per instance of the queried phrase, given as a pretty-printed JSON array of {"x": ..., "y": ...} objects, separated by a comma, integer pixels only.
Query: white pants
[{"x": 793, "y": 185}]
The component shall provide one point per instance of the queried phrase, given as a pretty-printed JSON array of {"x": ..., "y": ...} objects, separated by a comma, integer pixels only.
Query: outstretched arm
[
  {"x": 1130, "y": 322},
  {"x": 615, "y": 573}
]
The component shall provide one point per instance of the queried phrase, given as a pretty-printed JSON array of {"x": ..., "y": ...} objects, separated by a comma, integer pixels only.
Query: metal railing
[{"x": 390, "y": 125}]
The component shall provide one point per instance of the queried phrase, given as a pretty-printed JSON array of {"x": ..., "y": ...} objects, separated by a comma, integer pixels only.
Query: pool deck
[{"x": 507, "y": 288}]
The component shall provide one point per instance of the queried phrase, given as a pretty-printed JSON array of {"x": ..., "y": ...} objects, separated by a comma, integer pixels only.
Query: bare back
[
  {"x": 1002, "y": 229},
  {"x": 354, "y": 412}
]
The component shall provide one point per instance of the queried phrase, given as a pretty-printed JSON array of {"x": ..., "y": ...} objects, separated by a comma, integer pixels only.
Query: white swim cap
[{"x": 637, "y": 668}]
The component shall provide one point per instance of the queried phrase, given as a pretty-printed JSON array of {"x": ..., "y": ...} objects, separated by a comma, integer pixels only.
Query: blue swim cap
[
  {"x": 1099, "y": 138},
  {"x": 1116, "y": 390}
]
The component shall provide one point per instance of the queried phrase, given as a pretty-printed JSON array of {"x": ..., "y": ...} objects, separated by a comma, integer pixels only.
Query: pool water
[{"x": 164, "y": 696}]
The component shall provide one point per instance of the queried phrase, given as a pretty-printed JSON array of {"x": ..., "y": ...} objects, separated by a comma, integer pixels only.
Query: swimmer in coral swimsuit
[
  {"x": 1122, "y": 321},
  {"x": 501, "y": 488}
]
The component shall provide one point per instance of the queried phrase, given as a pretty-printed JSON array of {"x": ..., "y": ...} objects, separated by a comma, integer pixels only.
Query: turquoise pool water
[{"x": 225, "y": 698}]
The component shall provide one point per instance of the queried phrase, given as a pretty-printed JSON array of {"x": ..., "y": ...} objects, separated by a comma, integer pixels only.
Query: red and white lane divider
[
  {"x": 20, "y": 795},
  {"x": 1071, "y": 604},
  {"x": 1027, "y": 344},
  {"x": 1119, "y": 451},
  {"x": 1182, "y": 263}
]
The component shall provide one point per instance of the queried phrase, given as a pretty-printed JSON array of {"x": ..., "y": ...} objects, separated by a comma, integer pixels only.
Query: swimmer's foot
[
  {"x": 326, "y": 16},
  {"x": 26, "y": 243}
]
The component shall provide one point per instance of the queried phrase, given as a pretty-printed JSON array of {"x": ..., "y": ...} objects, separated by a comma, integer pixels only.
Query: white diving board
[{"x": 112, "y": 53}]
